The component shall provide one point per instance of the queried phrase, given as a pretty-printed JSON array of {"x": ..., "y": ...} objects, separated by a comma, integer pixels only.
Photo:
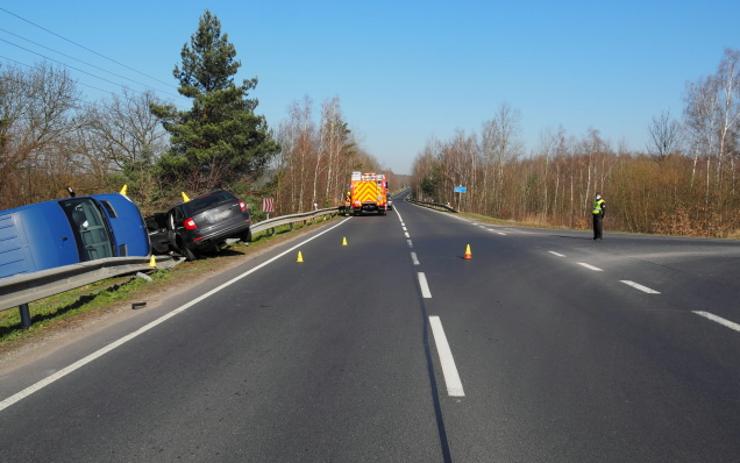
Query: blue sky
[{"x": 408, "y": 71}]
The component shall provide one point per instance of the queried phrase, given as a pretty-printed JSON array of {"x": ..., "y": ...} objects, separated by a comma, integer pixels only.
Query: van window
[{"x": 91, "y": 232}]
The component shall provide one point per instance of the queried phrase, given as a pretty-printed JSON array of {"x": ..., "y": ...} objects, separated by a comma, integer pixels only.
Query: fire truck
[{"x": 368, "y": 193}]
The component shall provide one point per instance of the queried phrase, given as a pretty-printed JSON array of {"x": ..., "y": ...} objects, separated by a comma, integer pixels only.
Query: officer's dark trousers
[{"x": 598, "y": 226}]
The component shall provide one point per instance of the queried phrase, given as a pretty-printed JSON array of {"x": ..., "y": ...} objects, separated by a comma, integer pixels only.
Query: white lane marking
[
  {"x": 406, "y": 234},
  {"x": 449, "y": 370},
  {"x": 425, "y": 293},
  {"x": 400, "y": 219},
  {"x": 414, "y": 259},
  {"x": 501, "y": 233},
  {"x": 18, "y": 396},
  {"x": 410, "y": 243},
  {"x": 556, "y": 254},
  {"x": 640, "y": 287},
  {"x": 716, "y": 318},
  {"x": 404, "y": 228},
  {"x": 590, "y": 267}
]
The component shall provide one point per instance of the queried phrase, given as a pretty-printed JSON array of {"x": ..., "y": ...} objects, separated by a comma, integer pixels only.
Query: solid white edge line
[
  {"x": 501, "y": 233},
  {"x": 590, "y": 267},
  {"x": 717, "y": 319},
  {"x": 406, "y": 234},
  {"x": 410, "y": 243},
  {"x": 640, "y": 287},
  {"x": 18, "y": 396},
  {"x": 414, "y": 259},
  {"x": 556, "y": 254},
  {"x": 449, "y": 370},
  {"x": 425, "y": 293}
]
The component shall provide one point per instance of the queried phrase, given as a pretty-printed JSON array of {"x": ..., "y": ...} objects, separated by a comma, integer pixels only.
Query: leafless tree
[
  {"x": 36, "y": 117},
  {"x": 665, "y": 135},
  {"x": 124, "y": 131}
]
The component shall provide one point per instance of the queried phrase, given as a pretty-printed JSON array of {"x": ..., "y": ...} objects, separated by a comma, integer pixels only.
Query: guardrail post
[{"x": 25, "y": 316}]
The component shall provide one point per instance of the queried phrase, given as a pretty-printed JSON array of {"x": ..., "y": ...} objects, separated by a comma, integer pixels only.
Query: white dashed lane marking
[
  {"x": 717, "y": 319},
  {"x": 449, "y": 370},
  {"x": 414, "y": 259},
  {"x": 424, "y": 286},
  {"x": 640, "y": 287},
  {"x": 590, "y": 267},
  {"x": 556, "y": 254}
]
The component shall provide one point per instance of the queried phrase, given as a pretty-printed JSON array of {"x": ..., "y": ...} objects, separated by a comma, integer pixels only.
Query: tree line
[
  {"x": 51, "y": 137},
  {"x": 685, "y": 182}
]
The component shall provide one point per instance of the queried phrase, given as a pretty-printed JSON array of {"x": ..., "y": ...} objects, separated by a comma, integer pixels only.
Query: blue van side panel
[
  {"x": 128, "y": 225},
  {"x": 39, "y": 236},
  {"x": 35, "y": 237},
  {"x": 14, "y": 252}
]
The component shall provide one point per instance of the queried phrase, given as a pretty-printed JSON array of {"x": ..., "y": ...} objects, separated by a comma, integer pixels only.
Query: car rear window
[{"x": 205, "y": 202}]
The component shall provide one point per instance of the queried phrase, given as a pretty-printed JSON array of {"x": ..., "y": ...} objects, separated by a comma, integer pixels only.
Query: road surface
[{"x": 546, "y": 346}]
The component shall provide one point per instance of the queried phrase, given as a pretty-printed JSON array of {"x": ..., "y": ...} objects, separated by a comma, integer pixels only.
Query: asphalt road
[{"x": 546, "y": 346}]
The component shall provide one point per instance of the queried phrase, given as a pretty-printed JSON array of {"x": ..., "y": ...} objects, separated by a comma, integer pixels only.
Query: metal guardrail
[
  {"x": 23, "y": 288},
  {"x": 430, "y": 205},
  {"x": 19, "y": 290},
  {"x": 271, "y": 224}
]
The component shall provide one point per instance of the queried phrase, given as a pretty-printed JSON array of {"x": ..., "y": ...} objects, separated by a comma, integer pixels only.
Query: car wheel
[
  {"x": 185, "y": 251},
  {"x": 246, "y": 237}
]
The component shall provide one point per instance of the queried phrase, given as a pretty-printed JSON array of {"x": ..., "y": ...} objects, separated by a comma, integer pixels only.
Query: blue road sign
[{"x": 461, "y": 189}]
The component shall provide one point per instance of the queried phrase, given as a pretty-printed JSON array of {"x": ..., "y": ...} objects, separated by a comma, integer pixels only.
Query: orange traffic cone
[{"x": 468, "y": 255}]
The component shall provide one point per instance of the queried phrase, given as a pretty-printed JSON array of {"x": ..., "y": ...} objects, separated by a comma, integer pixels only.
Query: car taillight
[
  {"x": 189, "y": 224},
  {"x": 242, "y": 206}
]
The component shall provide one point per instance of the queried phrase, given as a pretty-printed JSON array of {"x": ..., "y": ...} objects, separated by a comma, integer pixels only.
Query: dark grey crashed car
[{"x": 205, "y": 223}]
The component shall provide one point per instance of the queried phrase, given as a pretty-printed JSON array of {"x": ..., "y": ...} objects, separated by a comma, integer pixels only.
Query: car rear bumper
[{"x": 220, "y": 235}]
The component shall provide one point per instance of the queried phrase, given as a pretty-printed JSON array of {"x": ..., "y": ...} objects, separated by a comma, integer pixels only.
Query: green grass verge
[{"x": 74, "y": 305}]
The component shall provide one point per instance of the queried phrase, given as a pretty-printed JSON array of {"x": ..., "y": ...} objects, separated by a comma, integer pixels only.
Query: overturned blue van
[{"x": 69, "y": 231}]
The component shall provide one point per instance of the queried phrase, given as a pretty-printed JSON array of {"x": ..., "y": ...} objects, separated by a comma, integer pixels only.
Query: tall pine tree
[{"x": 220, "y": 139}]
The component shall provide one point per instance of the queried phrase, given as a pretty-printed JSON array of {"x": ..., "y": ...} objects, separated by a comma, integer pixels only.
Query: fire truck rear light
[{"x": 189, "y": 224}]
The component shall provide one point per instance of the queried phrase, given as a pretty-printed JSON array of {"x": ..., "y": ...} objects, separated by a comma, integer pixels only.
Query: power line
[
  {"x": 65, "y": 64},
  {"x": 81, "y": 83},
  {"x": 82, "y": 46},
  {"x": 79, "y": 60}
]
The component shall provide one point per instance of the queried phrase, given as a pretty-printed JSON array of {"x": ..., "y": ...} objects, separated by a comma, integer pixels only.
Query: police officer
[{"x": 598, "y": 212}]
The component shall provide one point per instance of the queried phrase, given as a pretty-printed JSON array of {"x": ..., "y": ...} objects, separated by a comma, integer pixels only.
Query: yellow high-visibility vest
[{"x": 597, "y": 206}]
